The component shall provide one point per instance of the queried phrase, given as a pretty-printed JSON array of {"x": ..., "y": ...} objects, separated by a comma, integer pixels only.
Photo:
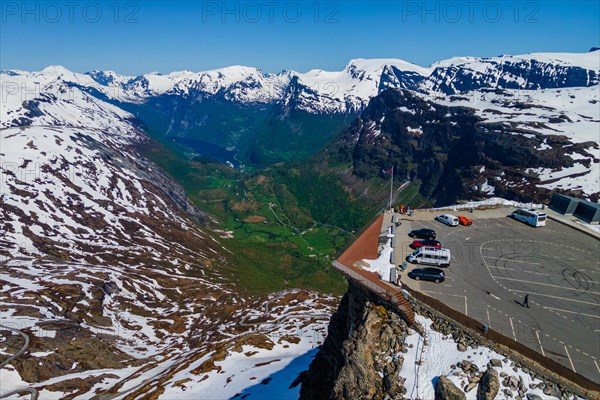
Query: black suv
[
  {"x": 427, "y": 274},
  {"x": 422, "y": 233}
]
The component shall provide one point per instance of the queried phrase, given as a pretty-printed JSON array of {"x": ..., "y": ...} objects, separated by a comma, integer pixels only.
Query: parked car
[
  {"x": 427, "y": 274},
  {"x": 431, "y": 256},
  {"x": 422, "y": 233},
  {"x": 447, "y": 219},
  {"x": 464, "y": 220},
  {"x": 426, "y": 243}
]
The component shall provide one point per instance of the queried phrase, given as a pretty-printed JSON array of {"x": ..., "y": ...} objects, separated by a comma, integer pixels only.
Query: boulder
[
  {"x": 468, "y": 367},
  {"x": 446, "y": 390},
  {"x": 110, "y": 288},
  {"x": 551, "y": 390},
  {"x": 512, "y": 382},
  {"x": 489, "y": 385},
  {"x": 533, "y": 396},
  {"x": 496, "y": 363},
  {"x": 470, "y": 386}
]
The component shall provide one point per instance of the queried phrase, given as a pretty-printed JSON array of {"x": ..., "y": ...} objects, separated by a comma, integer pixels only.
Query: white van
[
  {"x": 532, "y": 217},
  {"x": 447, "y": 219},
  {"x": 431, "y": 256}
]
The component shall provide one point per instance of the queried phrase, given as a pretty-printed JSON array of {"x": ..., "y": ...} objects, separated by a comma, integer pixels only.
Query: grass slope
[{"x": 287, "y": 223}]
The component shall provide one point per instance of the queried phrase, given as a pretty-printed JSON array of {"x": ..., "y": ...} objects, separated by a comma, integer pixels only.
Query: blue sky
[{"x": 143, "y": 36}]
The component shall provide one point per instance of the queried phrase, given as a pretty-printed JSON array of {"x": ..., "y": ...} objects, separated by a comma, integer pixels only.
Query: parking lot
[{"x": 497, "y": 261}]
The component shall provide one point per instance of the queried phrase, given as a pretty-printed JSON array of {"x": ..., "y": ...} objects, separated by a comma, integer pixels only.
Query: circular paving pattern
[{"x": 549, "y": 273}]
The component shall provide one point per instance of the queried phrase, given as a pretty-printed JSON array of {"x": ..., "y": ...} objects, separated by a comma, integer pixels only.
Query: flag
[{"x": 388, "y": 171}]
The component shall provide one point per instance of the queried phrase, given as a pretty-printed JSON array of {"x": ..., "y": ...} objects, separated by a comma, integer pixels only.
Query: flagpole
[{"x": 391, "y": 187}]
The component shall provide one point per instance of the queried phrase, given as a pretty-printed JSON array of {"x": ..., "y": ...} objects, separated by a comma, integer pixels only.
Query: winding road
[{"x": 34, "y": 393}]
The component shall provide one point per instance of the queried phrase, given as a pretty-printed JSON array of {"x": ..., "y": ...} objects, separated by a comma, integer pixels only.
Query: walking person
[{"x": 526, "y": 301}]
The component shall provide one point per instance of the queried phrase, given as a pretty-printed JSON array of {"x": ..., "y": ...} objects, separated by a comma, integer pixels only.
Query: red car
[
  {"x": 426, "y": 243},
  {"x": 464, "y": 220}
]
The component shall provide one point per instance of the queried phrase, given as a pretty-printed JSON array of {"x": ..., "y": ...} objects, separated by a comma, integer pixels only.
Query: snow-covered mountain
[
  {"x": 113, "y": 274},
  {"x": 349, "y": 90},
  {"x": 509, "y": 143},
  {"x": 571, "y": 115},
  {"x": 529, "y": 72},
  {"x": 345, "y": 91},
  {"x": 548, "y": 93}
]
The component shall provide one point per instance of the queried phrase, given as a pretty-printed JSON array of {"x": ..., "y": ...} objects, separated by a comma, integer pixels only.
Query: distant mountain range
[
  {"x": 243, "y": 116},
  {"x": 346, "y": 91}
]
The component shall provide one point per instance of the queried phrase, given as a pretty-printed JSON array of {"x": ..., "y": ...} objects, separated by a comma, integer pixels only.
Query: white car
[{"x": 447, "y": 219}]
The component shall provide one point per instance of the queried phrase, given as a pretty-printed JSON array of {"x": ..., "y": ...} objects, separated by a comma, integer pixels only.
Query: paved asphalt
[{"x": 497, "y": 261}]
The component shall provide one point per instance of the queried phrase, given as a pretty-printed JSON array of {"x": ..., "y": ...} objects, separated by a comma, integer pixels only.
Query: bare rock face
[
  {"x": 489, "y": 385},
  {"x": 361, "y": 357},
  {"x": 446, "y": 390}
]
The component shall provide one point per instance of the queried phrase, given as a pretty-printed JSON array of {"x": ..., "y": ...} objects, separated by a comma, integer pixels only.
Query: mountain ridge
[{"x": 347, "y": 90}]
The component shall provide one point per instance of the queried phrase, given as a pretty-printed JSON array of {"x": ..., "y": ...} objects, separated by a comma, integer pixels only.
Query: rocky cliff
[
  {"x": 457, "y": 152},
  {"x": 359, "y": 359},
  {"x": 371, "y": 353}
]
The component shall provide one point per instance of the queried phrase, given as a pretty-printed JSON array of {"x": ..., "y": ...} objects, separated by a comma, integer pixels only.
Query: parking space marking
[
  {"x": 445, "y": 294},
  {"x": 545, "y": 334},
  {"x": 513, "y": 260},
  {"x": 522, "y": 270},
  {"x": 571, "y": 361},
  {"x": 572, "y": 312},
  {"x": 449, "y": 294},
  {"x": 512, "y": 327},
  {"x": 426, "y": 224},
  {"x": 494, "y": 296},
  {"x": 534, "y": 257},
  {"x": 540, "y": 342},
  {"x": 554, "y": 297},
  {"x": 544, "y": 284}
]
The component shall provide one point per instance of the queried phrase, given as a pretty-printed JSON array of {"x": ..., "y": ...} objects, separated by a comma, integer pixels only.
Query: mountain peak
[
  {"x": 56, "y": 70},
  {"x": 378, "y": 64}
]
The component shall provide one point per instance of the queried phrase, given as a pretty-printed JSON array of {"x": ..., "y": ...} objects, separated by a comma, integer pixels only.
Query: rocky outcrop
[
  {"x": 446, "y": 390},
  {"x": 362, "y": 355},
  {"x": 508, "y": 73},
  {"x": 450, "y": 152},
  {"x": 489, "y": 385}
]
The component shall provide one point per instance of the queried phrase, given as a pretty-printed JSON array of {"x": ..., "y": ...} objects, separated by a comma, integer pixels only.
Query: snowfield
[
  {"x": 437, "y": 355},
  {"x": 381, "y": 264},
  {"x": 261, "y": 360}
]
